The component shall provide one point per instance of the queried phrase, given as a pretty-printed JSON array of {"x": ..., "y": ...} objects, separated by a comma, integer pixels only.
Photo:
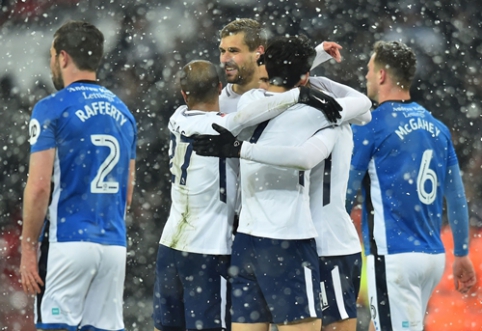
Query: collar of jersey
[
  {"x": 188, "y": 112},
  {"x": 85, "y": 81},
  {"x": 397, "y": 101}
]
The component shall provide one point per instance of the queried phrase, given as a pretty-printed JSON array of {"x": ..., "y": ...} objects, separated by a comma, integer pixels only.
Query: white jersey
[
  {"x": 202, "y": 192},
  {"x": 337, "y": 234},
  {"x": 228, "y": 100},
  {"x": 275, "y": 199}
]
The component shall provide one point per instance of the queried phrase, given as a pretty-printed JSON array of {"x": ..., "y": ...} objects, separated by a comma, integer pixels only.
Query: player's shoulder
[{"x": 250, "y": 96}]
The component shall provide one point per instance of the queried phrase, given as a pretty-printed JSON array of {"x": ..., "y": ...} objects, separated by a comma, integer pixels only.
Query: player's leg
[
  {"x": 435, "y": 270},
  {"x": 287, "y": 272},
  {"x": 61, "y": 302},
  {"x": 250, "y": 310},
  {"x": 103, "y": 308},
  {"x": 396, "y": 297},
  {"x": 168, "y": 305},
  {"x": 206, "y": 291},
  {"x": 340, "y": 284}
]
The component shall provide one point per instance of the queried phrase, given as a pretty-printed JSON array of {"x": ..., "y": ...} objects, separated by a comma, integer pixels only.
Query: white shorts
[
  {"x": 84, "y": 284},
  {"x": 399, "y": 286}
]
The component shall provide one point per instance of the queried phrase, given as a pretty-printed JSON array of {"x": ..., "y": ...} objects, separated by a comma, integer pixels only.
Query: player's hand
[
  {"x": 333, "y": 49},
  {"x": 319, "y": 100},
  {"x": 30, "y": 277},
  {"x": 222, "y": 145},
  {"x": 464, "y": 274}
]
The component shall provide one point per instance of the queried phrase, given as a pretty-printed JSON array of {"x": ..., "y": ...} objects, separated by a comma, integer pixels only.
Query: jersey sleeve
[
  {"x": 321, "y": 56},
  {"x": 356, "y": 106},
  {"x": 259, "y": 110},
  {"x": 303, "y": 157},
  {"x": 363, "y": 145},
  {"x": 42, "y": 127},
  {"x": 457, "y": 210}
]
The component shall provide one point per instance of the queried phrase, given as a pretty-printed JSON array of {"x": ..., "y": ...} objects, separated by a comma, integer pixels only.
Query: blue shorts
[
  {"x": 274, "y": 281},
  {"x": 191, "y": 291},
  {"x": 340, "y": 283}
]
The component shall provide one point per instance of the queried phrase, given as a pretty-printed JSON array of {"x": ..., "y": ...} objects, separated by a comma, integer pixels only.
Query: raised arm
[{"x": 356, "y": 106}]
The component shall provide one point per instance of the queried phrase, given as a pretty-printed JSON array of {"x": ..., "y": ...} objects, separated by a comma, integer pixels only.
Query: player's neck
[
  {"x": 394, "y": 93},
  {"x": 204, "y": 106},
  {"x": 74, "y": 76},
  {"x": 277, "y": 89},
  {"x": 241, "y": 89}
]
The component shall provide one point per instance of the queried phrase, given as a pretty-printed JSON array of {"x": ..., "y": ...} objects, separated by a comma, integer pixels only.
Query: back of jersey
[
  {"x": 337, "y": 234},
  {"x": 275, "y": 200},
  {"x": 202, "y": 189},
  {"x": 411, "y": 152},
  {"x": 94, "y": 135}
]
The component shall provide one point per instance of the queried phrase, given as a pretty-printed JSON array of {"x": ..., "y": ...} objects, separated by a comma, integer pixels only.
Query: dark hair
[
  {"x": 287, "y": 59},
  {"x": 398, "y": 59},
  {"x": 254, "y": 34},
  {"x": 199, "y": 79},
  {"x": 82, "y": 41}
]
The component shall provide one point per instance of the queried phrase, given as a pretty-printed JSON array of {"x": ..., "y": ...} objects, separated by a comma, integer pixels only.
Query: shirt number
[
  {"x": 426, "y": 174},
  {"x": 99, "y": 184}
]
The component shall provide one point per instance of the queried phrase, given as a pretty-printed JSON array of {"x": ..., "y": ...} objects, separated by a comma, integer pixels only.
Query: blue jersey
[
  {"x": 407, "y": 153},
  {"x": 94, "y": 135}
]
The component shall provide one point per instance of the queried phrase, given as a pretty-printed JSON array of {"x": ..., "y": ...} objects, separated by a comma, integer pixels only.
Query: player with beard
[{"x": 84, "y": 139}]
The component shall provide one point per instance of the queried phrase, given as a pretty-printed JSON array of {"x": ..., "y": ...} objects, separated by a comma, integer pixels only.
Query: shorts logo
[
  {"x": 55, "y": 311},
  {"x": 373, "y": 309},
  {"x": 405, "y": 324}
]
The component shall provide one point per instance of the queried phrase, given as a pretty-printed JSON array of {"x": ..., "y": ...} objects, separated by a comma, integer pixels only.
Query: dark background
[{"x": 146, "y": 44}]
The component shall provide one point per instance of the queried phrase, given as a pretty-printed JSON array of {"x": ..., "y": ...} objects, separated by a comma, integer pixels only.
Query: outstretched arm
[
  {"x": 304, "y": 157},
  {"x": 273, "y": 104},
  {"x": 457, "y": 212},
  {"x": 356, "y": 106}
]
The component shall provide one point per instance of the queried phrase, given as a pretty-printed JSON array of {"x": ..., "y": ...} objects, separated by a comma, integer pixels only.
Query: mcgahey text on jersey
[{"x": 417, "y": 124}]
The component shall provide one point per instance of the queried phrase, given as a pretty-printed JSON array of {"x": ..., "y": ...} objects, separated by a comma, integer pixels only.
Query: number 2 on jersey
[
  {"x": 426, "y": 174},
  {"x": 99, "y": 184}
]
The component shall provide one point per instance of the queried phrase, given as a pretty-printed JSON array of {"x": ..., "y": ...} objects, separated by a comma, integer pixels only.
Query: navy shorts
[
  {"x": 340, "y": 283},
  {"x": 191, "y": 290},
  {"x": 274, "y": 281}
]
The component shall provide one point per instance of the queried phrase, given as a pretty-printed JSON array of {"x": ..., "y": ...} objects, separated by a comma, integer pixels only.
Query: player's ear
[
  {"x": 184, "y": 96},
  {"x": 259, "y": 51},
  {"x": 304, "y": 80},
  {"x": 382, "y": 76}
]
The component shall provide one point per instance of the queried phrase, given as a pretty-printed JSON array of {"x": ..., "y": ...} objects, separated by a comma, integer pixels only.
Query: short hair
[
  {"x": 398, "y": 59},
  {"x": 200, "y": 80},
  {"x": 287, "y": 59},
  {"x": 83, "y": 42},
  {"x": 254, "y": 34}
]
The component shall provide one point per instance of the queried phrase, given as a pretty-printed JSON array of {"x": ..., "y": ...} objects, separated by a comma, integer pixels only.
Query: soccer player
[
  {"x": 337, "y": 243},
  {"x": 84, "y": 138},
  {"x": 193, "y": 256},
  {"x": 406, "y": 161},
  {"x": 274, "y": 255}
]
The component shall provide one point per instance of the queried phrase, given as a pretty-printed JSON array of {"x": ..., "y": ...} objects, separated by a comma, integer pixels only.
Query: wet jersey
[
  {"x": 406, "y": 152},
  {"x": 94, "y": 136}
]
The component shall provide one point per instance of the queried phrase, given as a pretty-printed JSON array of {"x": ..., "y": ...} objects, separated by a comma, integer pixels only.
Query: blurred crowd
[{"x": 151, "y": 42}]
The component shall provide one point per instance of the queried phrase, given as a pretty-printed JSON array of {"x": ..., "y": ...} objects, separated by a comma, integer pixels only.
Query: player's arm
[
  {"x": 457, "y": 213},
  {"x": 35, "y": 204},
  {"x": 356, "y": 106},
  {"x": 304, "y": 157},
  {"x": 354, "y": 186},
  {"x": 131, "y": 183},
  {"x": 325, "y": 51},
  {"x": 260, "y": 110}
]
